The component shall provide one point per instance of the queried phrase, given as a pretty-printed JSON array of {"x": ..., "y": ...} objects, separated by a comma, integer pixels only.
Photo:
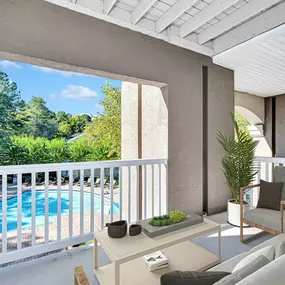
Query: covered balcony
[{"x": 204, "y": 60}]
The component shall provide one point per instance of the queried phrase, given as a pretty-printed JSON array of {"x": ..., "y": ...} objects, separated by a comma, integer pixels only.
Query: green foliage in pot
[{"x": 238, "y": 163}]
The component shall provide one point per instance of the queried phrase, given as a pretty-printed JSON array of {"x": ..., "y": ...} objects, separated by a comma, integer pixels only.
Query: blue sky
[{"x": 63, "y": 91}]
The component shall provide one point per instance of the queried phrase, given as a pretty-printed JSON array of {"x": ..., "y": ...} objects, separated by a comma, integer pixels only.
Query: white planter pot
[{"x": 234, "y": 213}]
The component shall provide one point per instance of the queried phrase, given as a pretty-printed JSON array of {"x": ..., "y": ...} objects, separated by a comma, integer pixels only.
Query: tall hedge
[{"x": 28, "y": 150}]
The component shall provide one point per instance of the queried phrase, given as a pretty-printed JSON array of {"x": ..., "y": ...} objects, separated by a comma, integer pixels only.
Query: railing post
[
  {"x": 145, "y": 192},
  {"x": 19, "y": 222},
  {"x": 33, "y": 209},
  {"x": 92, "y": 201},
  {"x": 102, "y": 197},
  {"x": 70, "y": 188},
  {"x": 81, "y": 202},
  {"x": 4, "y": 213},
  {"x": 46, "y": 207},
  {"x": 129, "y": 194},
  {"x": 58, "y": 178}
]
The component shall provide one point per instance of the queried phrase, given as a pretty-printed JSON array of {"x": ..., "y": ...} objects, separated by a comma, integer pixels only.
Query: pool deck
[{"x": 40, "y": 230}]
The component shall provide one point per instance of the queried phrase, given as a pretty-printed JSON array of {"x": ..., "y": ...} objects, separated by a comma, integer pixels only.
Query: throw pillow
[
  {"x": 192, "y": 277},
  {"x": 268, "y": 252},
  {"x": 242, "y": 273},
  {"x": 270, "y": 195},
  {"x": 280, "y": 250}
]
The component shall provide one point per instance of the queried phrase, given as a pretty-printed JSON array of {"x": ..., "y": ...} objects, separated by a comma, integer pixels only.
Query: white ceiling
[
  {"x": 229, "y": 30},
  {"x": 259, "y": 63},
  {"x": 191, "y": 24}
]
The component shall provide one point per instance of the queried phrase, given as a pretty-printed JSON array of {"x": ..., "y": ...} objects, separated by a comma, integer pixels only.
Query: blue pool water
[{"x": 12, "y": 207}]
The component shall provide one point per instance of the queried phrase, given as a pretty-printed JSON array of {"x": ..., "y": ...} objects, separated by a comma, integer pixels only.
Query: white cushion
[{"x": 268, "y": 252}]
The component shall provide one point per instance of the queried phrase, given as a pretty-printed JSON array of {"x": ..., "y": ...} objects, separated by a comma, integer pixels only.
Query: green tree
[
  {"x": 73, "y": 125},
  {"x": 38, "y": 119},
  {"x": 10, "y": 105},
  {"x": 105, "y": 128},
  {"x": 11, "y": 153},
  {"x": 62, "y": 116}
]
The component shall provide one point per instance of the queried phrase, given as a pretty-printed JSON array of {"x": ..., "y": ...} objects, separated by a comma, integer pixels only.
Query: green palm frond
[{"x": 238, "y": 163}]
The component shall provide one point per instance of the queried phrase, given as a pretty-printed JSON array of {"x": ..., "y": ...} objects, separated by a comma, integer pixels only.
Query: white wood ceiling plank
[
  {"x": 108, "y": 5},
  {"x": 141, "y": 9},
  {"x": 173, "y": 13},
  {"x": 244, "y": 13},
  {"x": 211, "y": 11}
]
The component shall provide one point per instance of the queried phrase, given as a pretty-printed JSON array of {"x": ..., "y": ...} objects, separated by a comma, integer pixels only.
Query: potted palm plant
[{"x": 238, "y": 167}]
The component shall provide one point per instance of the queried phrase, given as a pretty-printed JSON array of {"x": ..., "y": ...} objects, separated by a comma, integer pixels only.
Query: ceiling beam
[
  {"x": 269, "y": 22},
  {"x": 189, "y": 42},
  {"x": 236, "y": 18},
  {"x": 123, "y": 18},
  {"x": 208, "y": 13},
  {"x": 173, "y": 13},
  {"x": 141, "y": 9},
  {"x": 108, "y": 5}
]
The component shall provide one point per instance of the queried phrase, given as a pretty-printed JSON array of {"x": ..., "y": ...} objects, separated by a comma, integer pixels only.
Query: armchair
[{"x": 267, "y": 220}]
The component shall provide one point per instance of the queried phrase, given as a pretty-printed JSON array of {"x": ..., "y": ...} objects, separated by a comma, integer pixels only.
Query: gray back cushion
[
  {"x": 279, "y": 176},
  {"x": 280, "y": 250},
  {"x": 270, "y": 195},
  {"x": 271, "y": 274},
  {"x": 242, "y": 273}
]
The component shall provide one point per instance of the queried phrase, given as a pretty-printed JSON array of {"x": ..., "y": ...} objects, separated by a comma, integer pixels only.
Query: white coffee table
[{"x": 128, "y": 267}]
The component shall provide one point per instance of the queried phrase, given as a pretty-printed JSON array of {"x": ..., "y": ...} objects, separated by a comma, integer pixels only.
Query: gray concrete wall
[
  {"x": 268, "y": 122},
  {"x": 220, "y": 108},
  {"x": 251, "y": 107},
  {"x": 56, "y": 36},
  {"x": 280, "y": 126}
]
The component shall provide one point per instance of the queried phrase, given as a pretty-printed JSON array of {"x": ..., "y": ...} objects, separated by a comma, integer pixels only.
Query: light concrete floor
[{"x": 58, "y": 269}]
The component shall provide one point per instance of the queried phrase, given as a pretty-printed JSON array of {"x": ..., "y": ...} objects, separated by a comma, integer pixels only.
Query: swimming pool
[{"x": 12, "y": 207}]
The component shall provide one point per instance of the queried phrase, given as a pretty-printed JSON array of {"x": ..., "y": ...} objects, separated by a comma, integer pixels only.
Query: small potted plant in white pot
[{"x": 238, "y": 167}]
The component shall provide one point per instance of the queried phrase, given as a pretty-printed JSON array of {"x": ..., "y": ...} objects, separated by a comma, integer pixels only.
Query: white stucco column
[{"x": 154, "y": 141}]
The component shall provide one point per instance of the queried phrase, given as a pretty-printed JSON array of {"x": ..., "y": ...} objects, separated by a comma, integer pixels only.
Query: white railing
[
  {"x": 38, "y": 215},
  {"x": 265, "y": 172}
]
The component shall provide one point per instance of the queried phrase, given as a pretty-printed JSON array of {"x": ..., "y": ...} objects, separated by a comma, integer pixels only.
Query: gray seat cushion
[{"x": 264, "y": 217}]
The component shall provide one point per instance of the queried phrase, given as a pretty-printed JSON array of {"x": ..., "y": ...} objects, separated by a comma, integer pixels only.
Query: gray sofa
[
  {"x": 262, "y": 265},
  {"x": 272, "y": 273}
]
